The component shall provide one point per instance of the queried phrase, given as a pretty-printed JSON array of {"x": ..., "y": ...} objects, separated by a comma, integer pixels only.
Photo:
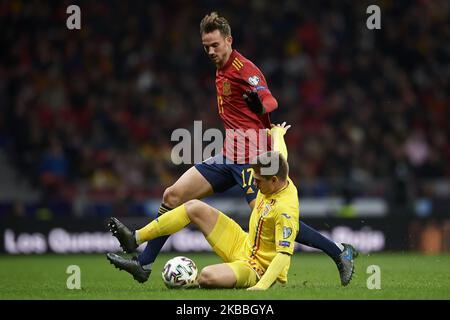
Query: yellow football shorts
[{"x": 227, "y": 240}]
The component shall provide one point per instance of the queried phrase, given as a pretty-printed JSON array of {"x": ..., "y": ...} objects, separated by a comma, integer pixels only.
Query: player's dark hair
[
  {"x": 274, "y": 163},
  {"x": 212, "y": 22}
]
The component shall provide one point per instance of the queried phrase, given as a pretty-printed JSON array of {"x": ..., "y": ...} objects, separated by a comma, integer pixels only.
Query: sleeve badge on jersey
[
  {"x": 284, "y": 243},
  {"x": 287, "y": 232},
  {"x": 253, "y": 80}
]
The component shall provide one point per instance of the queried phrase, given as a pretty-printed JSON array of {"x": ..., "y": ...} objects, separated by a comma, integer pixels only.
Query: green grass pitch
[{"x": 312, "y": 276}]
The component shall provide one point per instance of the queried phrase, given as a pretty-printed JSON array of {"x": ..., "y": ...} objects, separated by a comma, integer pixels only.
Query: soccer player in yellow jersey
[{"x": 253, "y": 260}]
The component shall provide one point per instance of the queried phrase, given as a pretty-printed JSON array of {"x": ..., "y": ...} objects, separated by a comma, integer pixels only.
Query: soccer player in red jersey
[
  {"x": 243, "y": 97},
  {"x": 244, "y": 103}
]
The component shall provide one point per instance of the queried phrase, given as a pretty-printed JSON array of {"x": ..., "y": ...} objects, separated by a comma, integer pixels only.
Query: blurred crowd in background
[{"x": 91, "y": 111}]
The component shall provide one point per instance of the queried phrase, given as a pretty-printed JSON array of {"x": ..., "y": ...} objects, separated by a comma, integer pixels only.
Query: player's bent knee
[
  {"x": 207, "y": 278},
  {"x": 172, "y": 197},
  {"x": 196, "y": 209}
]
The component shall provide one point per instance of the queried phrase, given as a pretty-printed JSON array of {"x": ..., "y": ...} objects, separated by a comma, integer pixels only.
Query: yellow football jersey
[{"x": 273, "y": 227}]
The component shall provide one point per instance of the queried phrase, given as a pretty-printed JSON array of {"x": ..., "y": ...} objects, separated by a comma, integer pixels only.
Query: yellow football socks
[{"x": 169, "y": 223}]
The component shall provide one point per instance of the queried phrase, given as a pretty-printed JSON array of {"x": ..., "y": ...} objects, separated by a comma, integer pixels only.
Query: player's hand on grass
[
  {"x": 283, "y": 128},
  {"x": 254, "y": 102},
  {"x": 255, "y": 288}
]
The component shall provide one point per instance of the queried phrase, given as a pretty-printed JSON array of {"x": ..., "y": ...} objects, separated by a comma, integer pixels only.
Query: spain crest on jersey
[{"x": 226, "y": 89}]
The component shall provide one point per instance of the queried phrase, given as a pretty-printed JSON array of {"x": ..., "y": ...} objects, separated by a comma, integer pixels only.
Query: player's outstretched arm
[
  {"x": 277, "y": 132},
  {"x": 281, "y": 261}
]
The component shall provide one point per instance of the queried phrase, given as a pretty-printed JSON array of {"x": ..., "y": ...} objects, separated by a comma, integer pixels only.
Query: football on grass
[{"x": 180, "y": 272}]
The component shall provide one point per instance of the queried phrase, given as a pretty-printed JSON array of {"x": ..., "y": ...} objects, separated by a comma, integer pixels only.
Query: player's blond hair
[
  {"x": 266, "y": 160},
  {"x": 212, "y": 22}
]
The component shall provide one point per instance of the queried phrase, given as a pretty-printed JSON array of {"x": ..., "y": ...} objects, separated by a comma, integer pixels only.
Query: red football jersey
[{"x": 241, "y": 124}]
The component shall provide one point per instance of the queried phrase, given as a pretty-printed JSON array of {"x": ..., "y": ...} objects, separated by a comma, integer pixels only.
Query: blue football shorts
[{"x": 223, "y": 176}]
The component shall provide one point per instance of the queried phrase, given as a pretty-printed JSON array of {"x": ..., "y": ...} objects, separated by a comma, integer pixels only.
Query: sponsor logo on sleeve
[{"x": 286, "y": 215}]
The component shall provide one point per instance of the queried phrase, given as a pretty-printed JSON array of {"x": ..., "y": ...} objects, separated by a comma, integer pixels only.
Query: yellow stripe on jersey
[{"x": 237, "y": 64}]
